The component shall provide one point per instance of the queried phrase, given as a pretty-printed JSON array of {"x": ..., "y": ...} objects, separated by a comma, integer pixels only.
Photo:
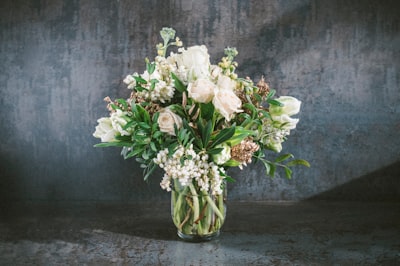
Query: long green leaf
[
  {"x": 298, "y": 162},
  {"x": 283, "y": 157},
  {"x": 113, "y": 144},
  {"x": 223, "y": 135}
]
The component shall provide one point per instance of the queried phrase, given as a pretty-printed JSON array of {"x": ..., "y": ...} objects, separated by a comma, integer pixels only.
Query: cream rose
[
  {"x": 226, "y": 103},
  {"x": 166, "y": 121},
  {"x": 201, "y": 90},
  {"x": 105, "y": 130}
]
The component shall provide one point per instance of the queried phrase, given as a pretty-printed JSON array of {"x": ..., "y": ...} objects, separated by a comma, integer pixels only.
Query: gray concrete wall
[{"x": 60, "y": 58}]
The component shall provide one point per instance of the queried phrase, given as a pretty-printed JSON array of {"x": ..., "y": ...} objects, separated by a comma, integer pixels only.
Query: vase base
[{"x": 198, "y": 238}]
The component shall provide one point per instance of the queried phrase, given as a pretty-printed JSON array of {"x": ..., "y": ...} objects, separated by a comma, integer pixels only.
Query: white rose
[
  {"x": 201, "y": 90},
  {"x": 226, "y": 83},
  {"x": 105, "y": 130},
  {"x": 196, "y": 60},
  {"x": 223, "y": 156},
  {"x": 167, "y": 120},
  {"x": 226, "y": 103},
  {"x": 291, "y": 106}
]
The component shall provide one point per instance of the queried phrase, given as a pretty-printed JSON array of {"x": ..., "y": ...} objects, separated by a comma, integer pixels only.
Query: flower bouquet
[{"x": 194, "y": 120}]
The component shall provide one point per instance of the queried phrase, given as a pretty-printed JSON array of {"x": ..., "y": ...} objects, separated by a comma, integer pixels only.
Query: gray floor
[{"x": 255, "y": 233}]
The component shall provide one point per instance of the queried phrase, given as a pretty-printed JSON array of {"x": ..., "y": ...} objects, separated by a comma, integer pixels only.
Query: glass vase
[{"x": 197, "y": 215}]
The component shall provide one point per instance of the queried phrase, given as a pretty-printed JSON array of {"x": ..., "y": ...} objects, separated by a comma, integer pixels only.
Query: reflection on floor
[{"x": 255, "y": 233}]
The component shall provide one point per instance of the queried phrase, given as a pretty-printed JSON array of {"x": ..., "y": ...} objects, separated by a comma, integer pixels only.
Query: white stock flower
[
  {"x": 227, "y": 103},
  {"x": 105, "y": 130},
  {"x": 130, "y": 81},
  {"x": 201, "y": 90},
  {"x": 167, "y": 120}
]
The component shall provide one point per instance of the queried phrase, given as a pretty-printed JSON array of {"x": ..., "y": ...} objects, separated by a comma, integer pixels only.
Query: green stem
[
  {"x": 178, "y": 201},
  {"x": 214, "y": 207},
  {"x": 196, "y": 207}
]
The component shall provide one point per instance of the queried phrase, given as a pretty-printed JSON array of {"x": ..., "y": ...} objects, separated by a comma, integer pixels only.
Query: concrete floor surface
[{"x": 255, "y": 233}]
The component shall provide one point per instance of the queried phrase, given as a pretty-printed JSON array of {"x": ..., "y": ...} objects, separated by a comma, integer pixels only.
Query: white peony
[
  {"x": 227, "y": 103},
  {"x": 167, "y": 120},
  {"x": 196, "y": 60},
  {"x": 201, "y": 90}
]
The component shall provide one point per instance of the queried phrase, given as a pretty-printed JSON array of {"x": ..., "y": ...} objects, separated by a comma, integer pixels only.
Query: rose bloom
[
  {"x": 105, "y": 130},
  {"x": 167, "y": 120},
  {"x": 196, "y": 60},
  {"x": 201, "y": 90},
  {"x": 226, "y": 103}
]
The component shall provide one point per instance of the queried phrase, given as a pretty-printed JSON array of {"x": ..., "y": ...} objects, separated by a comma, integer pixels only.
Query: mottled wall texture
[{"x": 60, "y": 58}]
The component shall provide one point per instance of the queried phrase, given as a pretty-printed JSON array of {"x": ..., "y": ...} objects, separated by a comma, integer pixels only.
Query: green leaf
[
  {"x": 140, "y": 88},
  {"x": 214, "y": 151},
  {"x": 178, "y": 84},
  {"x": 288, "y": 172},
  {"x": 139, "y": 80},
  {"x": 153, "y": 146},
  {"x": 113, "y": 144},
  {"x": 207, "y": 110},
  {"x": 252, "y": 108},
  {"x": 150, "y": 67},
  {"x": 153, "y": 83},
  {"x": 149, "y": 170},
  {"x": 144, "y": 125},
  {"x": 298, "y": 162},
  {"x": 274, "y": 102},
  {"x": 272, "y": 169},
  {"x": 229, "y": 179},
  {"x": 223, "y": 135},
  {"x": 206, "y": 133},
  {"x": 122, "y": 102},
  {"x": 231, "y": 163},
  {"x": 271, "y": 94},
  {"x": 283, "y": 157}
]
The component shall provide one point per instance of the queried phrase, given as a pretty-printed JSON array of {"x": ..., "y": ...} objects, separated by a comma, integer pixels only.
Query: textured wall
[{"x": 60, "y": 58}]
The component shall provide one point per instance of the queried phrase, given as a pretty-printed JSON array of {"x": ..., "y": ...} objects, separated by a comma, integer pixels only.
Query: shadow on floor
[{"x": 380, "y": 185}]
